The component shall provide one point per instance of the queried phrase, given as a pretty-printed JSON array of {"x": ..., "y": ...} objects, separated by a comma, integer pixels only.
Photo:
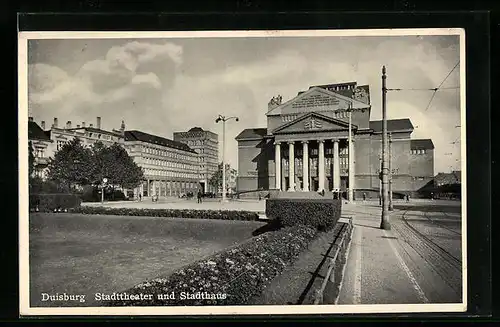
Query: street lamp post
[
  {"x": 223, "y": 119},
  {"x": 350, "y": 157},
  {"x": 104, "y": 181},
  {"x": 384, "y": 224}
]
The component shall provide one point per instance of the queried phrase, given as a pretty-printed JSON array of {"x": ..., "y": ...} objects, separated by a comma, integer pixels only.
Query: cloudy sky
[{"x": 164, "y": 85}]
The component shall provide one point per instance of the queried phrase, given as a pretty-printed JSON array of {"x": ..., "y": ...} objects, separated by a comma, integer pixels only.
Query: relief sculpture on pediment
[{"x": 312, "y": 123}]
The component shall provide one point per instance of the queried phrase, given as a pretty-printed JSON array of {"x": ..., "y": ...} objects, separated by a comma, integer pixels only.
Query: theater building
[{"x": 305, "y": 146}]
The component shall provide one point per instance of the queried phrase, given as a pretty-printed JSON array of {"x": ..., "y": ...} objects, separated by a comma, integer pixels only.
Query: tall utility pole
[
  {"x": 350, "y": 196},
  {"x": 391, "y": 208},
  {"x": 384, "y": 224},
  {"x": 223, "y": 119}
]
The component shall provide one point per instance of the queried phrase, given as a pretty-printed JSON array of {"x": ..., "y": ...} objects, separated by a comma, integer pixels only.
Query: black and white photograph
[{"x": 242, "y": 172}]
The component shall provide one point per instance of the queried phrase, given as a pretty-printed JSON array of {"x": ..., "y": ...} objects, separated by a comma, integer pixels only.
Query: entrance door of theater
[{"x": 314, "y": 184}]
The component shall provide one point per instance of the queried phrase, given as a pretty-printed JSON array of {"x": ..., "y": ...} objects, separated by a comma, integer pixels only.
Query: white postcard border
[{"x": 24, "y": 299}]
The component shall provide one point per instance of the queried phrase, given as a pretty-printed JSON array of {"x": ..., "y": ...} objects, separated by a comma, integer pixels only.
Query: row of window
[
  {"x": 341, "y": 114},
  {"x": 169, "y": 154},
  {"x": 313, "y": 162},
  {"x": 101, "y": 136},
  {"x": 337, "y": 114},
  {"x": 288, "y": 118},
  {"x": 417, "y": 151},
  {"x": 61, "y": 143},
  {"x": 167, "y": 173},
  {"x": 164, "y": 163},
  {"x": 39, "y": 153},
  {"x": 172, "y": 185},
  {"x": 314, "y": 152}
]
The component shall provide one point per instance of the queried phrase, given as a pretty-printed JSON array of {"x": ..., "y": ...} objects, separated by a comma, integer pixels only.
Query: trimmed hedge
[
  {"x": 170, "y": 213},
  {"x": 321, "y": 214},
  {"x": 51, "y": 202},
  {"x": 234, "y": 276}
]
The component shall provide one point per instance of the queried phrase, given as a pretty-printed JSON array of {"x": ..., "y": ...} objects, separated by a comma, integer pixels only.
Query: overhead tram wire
[
  {"x": 432, "y": 89},
  {"x": 444, "y": 80}
]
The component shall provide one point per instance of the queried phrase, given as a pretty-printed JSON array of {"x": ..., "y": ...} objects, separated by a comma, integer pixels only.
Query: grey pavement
[{"x": 417, "y": 261}]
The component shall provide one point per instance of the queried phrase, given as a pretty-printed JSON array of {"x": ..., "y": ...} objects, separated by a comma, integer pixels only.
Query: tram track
[
  {"x": 435, "y": 222},
  {"x": 444, "y": 263}
]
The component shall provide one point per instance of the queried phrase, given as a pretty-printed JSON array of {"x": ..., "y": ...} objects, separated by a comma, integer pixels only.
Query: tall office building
[{"x": 206, "y": 144}]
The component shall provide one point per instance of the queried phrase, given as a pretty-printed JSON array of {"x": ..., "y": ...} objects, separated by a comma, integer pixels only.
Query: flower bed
[
  {"x": 170, "y": 213},
  {"x": 53, "y": 202},
  {"x": 321, "y": 214},
  {"x": 232, "y": 277}
]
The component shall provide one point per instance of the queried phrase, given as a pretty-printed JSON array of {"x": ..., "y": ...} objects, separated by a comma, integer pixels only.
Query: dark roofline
[
  {"x": 424, "y": 144},
  {"x": 393, "y": 125},
  {"x": 135, "y": 135},
  {"x": 89, "y": 129},
  {"x": 35, "y": 132},
  {"x": 249, "y": 134}
]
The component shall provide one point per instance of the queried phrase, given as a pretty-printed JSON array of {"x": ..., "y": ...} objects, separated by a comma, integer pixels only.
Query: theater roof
[
  {"x": 153, "y": 139},
  {"x": 422, "y": 144},
  {"x": 252, "y": 133},
  {"x": 393, "y": 125}
]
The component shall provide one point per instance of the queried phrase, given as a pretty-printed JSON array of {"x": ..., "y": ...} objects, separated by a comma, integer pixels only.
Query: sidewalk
[{"x": 375, "y": 272}]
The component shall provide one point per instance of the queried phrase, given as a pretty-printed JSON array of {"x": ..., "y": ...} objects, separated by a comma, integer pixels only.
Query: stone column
[
  {"x": 305, "y": 166},
  {"x": 277, "y": 161},
  {"x": 321, "y": 165},
  {"x": 291, "y": 166},
  {"x": 336, "y": 165}
]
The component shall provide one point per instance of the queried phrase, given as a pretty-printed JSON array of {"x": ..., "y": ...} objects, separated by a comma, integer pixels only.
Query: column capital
[
  {"x": 321, "y": 141},
  {"x": 304, "y": 141},
  {"x": 290, "y": 142},
  {"x": 277, "y": 142},
  {"x": 335, "y": 140}
]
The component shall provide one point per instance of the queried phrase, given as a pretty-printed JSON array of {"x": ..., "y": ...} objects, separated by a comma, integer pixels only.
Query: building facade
[
  {"x": 88, "y": 135},
  {"x": 206, "y": 144},
  {"x": 40, "y": 142},
  {"x": 305, "y": 145},
  {"x": 46, "y": 142},
  {"x": 170, "y": 168}
]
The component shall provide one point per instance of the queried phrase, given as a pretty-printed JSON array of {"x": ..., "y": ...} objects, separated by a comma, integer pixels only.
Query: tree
[
  {"x": 216, "y": 179},
  {"x": 116, "y": 165},
  {"x": 72, "y": 165}
]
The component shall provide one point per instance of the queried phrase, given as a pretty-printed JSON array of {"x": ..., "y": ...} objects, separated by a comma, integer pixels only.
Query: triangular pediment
[
  {"x": 313, "y": 122},
  {"x": 317, "y": 99}
]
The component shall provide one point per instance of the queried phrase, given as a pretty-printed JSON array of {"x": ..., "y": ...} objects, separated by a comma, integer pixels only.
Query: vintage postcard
[{"x": 242, "y": 172}]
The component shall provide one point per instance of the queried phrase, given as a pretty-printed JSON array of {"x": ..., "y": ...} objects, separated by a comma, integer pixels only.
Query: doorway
[{"x": 314, "y": 184}]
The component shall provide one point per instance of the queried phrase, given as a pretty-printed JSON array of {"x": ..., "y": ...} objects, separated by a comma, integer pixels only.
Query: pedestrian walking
[
  {"x": 198, "y": 195},
  {"x": 140, "y": 197},
  {"x": 364, "y": 196}
]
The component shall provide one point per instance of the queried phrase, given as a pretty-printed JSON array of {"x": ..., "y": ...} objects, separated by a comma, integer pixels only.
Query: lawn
[{"x": 83, "y": 254}]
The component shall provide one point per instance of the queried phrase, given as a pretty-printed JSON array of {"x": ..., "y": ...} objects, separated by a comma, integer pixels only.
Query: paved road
[
  {"x": 418, "y": 261},
  {"x": 430, "y": 236}
]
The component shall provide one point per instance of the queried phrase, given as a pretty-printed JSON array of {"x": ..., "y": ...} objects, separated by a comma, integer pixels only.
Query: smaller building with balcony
[{"x": 40, "y": 142}]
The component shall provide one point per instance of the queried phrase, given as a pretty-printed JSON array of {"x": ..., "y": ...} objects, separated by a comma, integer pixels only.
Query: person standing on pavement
[{"x": 199, "y": 196}]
